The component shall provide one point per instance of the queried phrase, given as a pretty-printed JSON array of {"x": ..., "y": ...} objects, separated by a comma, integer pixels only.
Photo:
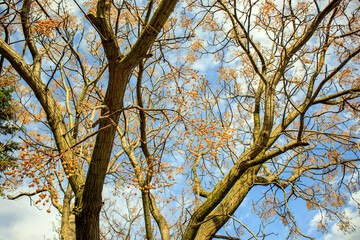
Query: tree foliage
[
  {"x": 7, "y": 126},
  {"x": 7, "y": 146},
  {"x": 6, "y": 115},
  {"x": 157, "y": 119}
]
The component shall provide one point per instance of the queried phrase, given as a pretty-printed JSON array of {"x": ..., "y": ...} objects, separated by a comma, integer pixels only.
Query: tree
[
  {"x": 122, "y": 108},
  {"x": 6, "y": 115},
  {"x": 7, "y": 127},
  {"x": 7, "y": 147}
]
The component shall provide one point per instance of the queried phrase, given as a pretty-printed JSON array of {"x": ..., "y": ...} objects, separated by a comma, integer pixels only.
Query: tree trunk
[
  {"x": 89, "y": 200},
  {"x": 228, "y": 206},
  {"x": 67, "y": 231},
  {"x": 87, "y": 224}
]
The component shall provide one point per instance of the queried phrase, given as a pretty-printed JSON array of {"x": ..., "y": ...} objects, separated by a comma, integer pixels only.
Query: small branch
[
  {"x": 244, "y": 226},
  {"x": 24, "y": 194},
  {"x": 226, "y": 237},
  {"x": 276, "y": 152}
]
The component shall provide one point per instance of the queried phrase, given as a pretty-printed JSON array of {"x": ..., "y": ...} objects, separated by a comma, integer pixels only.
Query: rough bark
[
  {"x": 217, "y": 218},
  {"x": 88, "y": 204}
]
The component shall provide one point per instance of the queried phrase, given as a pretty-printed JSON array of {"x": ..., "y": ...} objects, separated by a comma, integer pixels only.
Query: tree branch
[
  {"x": 49, "y": 104},
  {"x": 159, "y": 218}
]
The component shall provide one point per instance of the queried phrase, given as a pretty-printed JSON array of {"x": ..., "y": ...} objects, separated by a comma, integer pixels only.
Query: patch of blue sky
[
  {"x": 304, "y": 219},
  {"x": 208, "y": 64},
  {"x": 72, "y": 6},
  {"x": 274, "y": 228},
  {"x": 245, "y": 214}
]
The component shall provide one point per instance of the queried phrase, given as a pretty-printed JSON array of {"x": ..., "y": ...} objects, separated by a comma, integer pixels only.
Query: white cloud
[
  {"x": 334, "y": 232},
  {"x": 19, "y": 220},
  {"x": 353, "y": 214},
  {"x": 204, "y": 64},
  {"x": 314, "y": 221}
]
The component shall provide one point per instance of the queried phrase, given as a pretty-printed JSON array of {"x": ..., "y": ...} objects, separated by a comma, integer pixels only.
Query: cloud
[
  {"x": 19, "y": 220},
  {"x": 204, "y": 64},
  {"x": 314, "y": 221},
  {"x": 352, "y": 212},
  {"x": 334, "y": 233}
]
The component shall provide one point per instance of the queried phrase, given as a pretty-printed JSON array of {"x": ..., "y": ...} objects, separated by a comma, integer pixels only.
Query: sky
[
  {"x": 353, "y": 212},
  {"x": 20, "y": 221}
]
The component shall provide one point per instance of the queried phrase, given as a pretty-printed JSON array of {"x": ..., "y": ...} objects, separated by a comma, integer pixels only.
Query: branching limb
[
  {"x": 25, "y": 15},
  {"x": 197, "y": 185},
  {"x": 159, "y": 218},
  {"x": 24, "y": 194},
  {"x": 235, "y": 23},
  {"x": 49, "y": 104}
]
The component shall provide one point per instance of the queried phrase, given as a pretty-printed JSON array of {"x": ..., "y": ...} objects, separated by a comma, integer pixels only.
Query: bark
[
  {"x": 159, "y": 218},
  {"x": 67, "y": 231},
  {"x": 228, "y": 206},
  {"x": 30, "y": 43},
  {"x": 88, "y": 204},
  {"x": 145, "y": 150},
  {"x": 147, "y": 216}
]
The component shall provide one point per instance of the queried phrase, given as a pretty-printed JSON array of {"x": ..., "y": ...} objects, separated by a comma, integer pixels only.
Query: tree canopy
[{"x": 160, "y": 119}]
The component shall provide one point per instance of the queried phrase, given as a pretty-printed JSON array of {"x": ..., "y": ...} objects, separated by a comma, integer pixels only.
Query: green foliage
[{"x": 6, "y": 117}]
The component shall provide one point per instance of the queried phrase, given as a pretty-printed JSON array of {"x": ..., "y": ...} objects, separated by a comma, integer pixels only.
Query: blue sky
[{"x": 20, "y": 220}]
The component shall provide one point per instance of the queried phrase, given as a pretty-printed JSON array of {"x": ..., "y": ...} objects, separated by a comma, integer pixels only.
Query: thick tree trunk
[
  {"x": 87, "y": 224},
  {"x": 228, "y": 206},
  {"x": 89, "y": 200},
  {"x": 89, "y": 203}
]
